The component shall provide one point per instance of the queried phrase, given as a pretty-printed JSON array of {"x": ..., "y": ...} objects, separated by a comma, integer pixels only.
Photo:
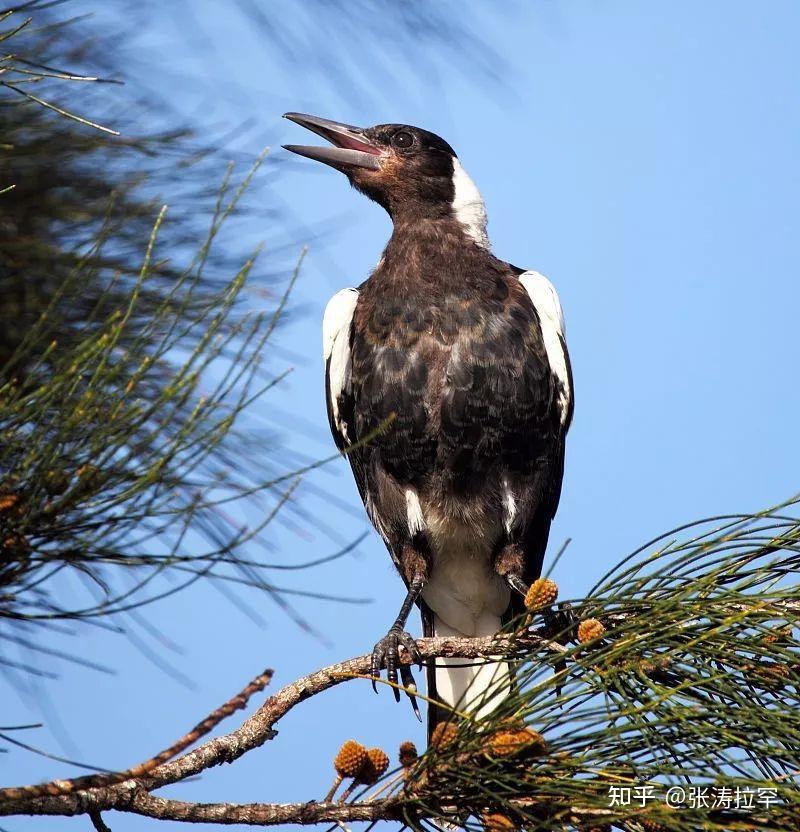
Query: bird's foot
[
  {"x": 386, "y": 654},
  {"x": 517, "y": 584},
  {"x": 561, "y": 624}
]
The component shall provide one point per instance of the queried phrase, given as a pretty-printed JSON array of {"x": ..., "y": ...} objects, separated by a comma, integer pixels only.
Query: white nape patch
[
  {"x": 336, "y": 347},
  {"x": 510, "y": 506},
  {"x": 551, "y": 317},
  {"x": 467, "y": 205},
  {"x": 416, "y": 522}
]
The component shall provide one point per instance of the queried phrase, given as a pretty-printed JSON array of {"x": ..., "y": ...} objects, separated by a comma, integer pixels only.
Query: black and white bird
[{"x": 448, "y": 371}]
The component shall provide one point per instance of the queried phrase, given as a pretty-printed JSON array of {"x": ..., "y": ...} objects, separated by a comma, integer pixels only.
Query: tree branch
[
  {"x": 205, "y": 726},
  {"x": 265, "y": 814},
  {"x": 132, "y": 792}
]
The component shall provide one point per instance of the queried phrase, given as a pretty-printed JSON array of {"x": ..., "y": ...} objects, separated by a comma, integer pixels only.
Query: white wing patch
[
  {"x": 551, "y": 317},
  {"x": 467, "y": 205},
  {"x": 416, "y": 520},
  {"x": 336, "y": 347},
  {"x": 509, "y": 507}
]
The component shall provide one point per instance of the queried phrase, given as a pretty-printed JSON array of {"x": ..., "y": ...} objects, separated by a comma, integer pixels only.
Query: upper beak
[{"x": 352, "y": 148}]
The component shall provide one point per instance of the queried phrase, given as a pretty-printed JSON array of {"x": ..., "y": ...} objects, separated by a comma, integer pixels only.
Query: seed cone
[
  {"x": 350, "y": 759},
  {"x": 773, "y": 675},
  {"x": 443, "y": 735},
  {"x": 650, "y": 667},
  {"x": 512, "y": 741},
  {"x": 590, "y": 628},
  {"x": 496, "y": 822},
  {"x": 374, "y": 768},
  {"x": 15, "y": 546},
  {"x": 408, "y": 754},
  {"x": 7, "y": 501},
  {"x": 542, "y": 593},
  {"x": 652, "y": 825},
  {"x": 779, "y": 634}
]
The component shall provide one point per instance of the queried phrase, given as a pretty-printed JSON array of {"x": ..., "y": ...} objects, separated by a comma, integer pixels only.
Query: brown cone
[
  {"x": 350, "y": 759},
  {"x": 542, "y": 593},
  {"x": 589, "y": 629},
  {"x": 408, "y": 754},
  {"x": 651, "y": 825},
  {"x": 375, "y": 767},
  {"x": 7, "y": 501},
  {"x": 513, "y": 741},
  {"x": 443, "y": 735},
  {"x": 496, "y": 822}
]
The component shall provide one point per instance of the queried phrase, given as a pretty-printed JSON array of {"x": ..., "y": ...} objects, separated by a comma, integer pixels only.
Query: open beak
[{"x": 351, "y": 147}]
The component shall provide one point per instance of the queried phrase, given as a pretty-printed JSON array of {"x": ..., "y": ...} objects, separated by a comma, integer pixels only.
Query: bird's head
[{"x": 411, "y": 172}]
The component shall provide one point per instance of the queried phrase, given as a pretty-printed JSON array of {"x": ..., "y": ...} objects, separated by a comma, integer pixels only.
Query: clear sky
[{"x": 642, "y": 155}]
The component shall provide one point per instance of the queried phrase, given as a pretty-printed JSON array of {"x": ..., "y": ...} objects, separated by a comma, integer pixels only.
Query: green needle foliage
[
  {"x": 693, "y": 686},
  {"x": 110, "y": 453},
  {"x": 131, "y": 343},
  {"x": 67, "y": 185}
]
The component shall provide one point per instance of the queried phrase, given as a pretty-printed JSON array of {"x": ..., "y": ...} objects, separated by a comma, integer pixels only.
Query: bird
[{"x": 449, "y": 387}]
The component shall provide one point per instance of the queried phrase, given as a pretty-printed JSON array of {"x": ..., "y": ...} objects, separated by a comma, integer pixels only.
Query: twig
[
  {"x": 97, "y": 821},
  {"x": 132, "y": 793},
  {"x": 57, "y": 787}
]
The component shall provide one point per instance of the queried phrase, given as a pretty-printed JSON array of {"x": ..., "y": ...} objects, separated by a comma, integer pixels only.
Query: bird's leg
[
  {"x": 517, "y": 584},
  {"x": 386, "y": 652},
  {"x": 509, "y": 564},
  {"x": 559, "y": 624}
]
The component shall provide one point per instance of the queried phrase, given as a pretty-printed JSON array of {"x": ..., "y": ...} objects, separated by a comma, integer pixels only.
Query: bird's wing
[
  {"x": 336, "y": 325},
  {"x": 337, "y": 340},
  {"x": 551, "y": 318},
  {"x": 535, "y": 523}
]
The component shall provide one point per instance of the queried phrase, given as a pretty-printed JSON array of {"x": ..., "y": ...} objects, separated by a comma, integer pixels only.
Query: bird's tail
[{"x": 477, "y": 686}]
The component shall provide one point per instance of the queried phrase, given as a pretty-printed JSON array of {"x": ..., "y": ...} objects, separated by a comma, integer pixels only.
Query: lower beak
[{"x": 351, "y": 147}]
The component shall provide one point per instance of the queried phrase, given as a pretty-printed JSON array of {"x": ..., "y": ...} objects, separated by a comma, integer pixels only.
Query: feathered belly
[{"x": 463, "y": 589}]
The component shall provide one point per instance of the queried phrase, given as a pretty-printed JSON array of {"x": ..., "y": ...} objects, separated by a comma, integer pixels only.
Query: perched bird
[{"x": 448, "y": 382}]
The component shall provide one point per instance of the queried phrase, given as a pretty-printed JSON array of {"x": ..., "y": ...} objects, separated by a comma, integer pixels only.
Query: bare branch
[
  {"x": 129, "y": 791},
  {"x": 265, "y": 814},
  {"x": 97, "y": 821},
  {"x": 56, "y": 787}
]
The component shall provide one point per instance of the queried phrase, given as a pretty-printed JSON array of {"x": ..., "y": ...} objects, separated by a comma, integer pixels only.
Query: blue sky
[{"x": 644, "y": 157}]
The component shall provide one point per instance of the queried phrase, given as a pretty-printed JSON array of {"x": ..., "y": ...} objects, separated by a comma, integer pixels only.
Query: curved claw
[
  {"x": 378, "y": 661},
  {"x": 410, "y": 685},
  {"x": 386, "y": 653}
]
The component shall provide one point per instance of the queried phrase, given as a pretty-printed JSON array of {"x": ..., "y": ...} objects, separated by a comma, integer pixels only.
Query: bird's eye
[{"x": 402, "y": 140}]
